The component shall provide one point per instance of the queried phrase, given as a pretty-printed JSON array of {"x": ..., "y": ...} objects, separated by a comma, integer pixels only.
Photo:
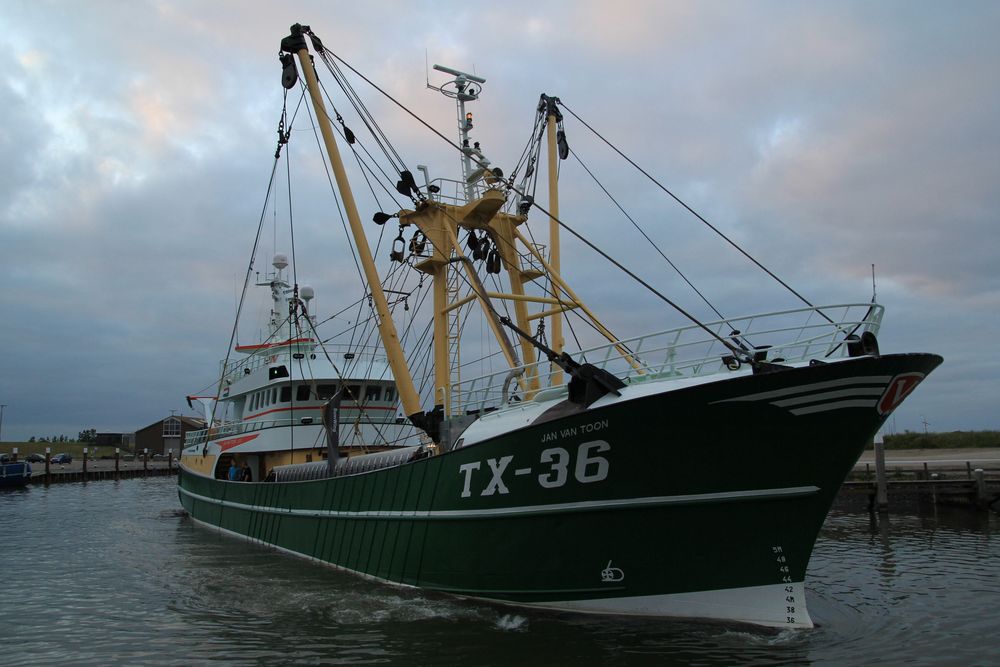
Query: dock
[
  {"x": 899, "y": 478},
  {"x": 101, "y": 469}
]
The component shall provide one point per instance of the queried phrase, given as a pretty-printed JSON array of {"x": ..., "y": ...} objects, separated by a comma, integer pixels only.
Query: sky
[{"x": 824, "y": 137}]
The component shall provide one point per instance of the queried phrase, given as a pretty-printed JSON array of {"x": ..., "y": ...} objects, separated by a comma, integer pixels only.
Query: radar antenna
[{"x": 464, "y": 88}]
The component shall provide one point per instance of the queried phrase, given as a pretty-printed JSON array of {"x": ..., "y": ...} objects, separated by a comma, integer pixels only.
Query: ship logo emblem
[
  {"x": 899, "y": 388},
  {"x": 612, "y": 574}
]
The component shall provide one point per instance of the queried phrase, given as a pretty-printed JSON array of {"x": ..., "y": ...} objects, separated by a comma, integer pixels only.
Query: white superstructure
[{"x": 268, "y": 410}]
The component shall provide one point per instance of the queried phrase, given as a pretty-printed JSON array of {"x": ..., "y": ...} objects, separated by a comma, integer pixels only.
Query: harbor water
[{"x": 109, "y": 573}]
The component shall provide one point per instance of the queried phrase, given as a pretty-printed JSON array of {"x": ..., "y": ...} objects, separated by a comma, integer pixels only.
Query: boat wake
[{"x": 511, "y": 622}]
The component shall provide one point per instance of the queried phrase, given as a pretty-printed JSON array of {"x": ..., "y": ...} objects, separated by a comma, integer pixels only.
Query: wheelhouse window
[
  {"x": 352, "y": 392},
  {"x": 326, "y": 391},
  {"x": 390, "y": 394},
  {"x": 286, "y": 393},
  {"x": 302, "y": 393},
  {"x": 373, "y": 392}
]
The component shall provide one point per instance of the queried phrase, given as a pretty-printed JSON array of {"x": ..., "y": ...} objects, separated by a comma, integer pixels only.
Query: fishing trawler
[{"x": 685, "y": 472}]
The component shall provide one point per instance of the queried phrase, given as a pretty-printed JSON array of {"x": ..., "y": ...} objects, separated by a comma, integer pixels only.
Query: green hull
[{"x": 700, "y": 501}]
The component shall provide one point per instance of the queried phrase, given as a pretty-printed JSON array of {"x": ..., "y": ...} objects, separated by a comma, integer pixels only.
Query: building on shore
[{"x": 166, "y": 434}]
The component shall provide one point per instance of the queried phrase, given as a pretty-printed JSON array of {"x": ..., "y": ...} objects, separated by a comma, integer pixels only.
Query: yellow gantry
[{"x": 440, "y": 224}]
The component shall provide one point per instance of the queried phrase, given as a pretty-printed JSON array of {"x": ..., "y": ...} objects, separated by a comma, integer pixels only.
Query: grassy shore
[{"x": 949, "y": 440}]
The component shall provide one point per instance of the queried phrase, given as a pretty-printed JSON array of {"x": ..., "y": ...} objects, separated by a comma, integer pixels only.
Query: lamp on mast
[{"x": 464, "y": 88}]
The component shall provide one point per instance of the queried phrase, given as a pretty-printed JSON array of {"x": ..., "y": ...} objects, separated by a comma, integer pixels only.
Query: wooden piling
[
  {"x": 981, "y": 497},
  {"x": 881, "y": 487}
]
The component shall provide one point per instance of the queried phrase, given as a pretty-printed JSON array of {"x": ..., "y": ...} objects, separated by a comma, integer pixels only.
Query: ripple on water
[{"x": 114, "y": 572}]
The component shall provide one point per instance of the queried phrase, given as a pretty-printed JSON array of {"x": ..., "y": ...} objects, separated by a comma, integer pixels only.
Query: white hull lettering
[{"x": 587, "y": 466}]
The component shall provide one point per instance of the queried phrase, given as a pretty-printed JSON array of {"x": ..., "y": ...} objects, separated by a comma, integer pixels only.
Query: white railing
[
  {"x": 787, "y": 336},
  {"x": 457, "y": 186},
  {"x": 360, "y": 355}
]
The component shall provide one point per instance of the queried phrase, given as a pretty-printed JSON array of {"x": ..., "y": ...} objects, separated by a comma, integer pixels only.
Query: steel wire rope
[
  {"x": 337, "y": 200},
  {"x": 333, "y": 188},
  {"x": 368, "y": 334},
  {"x": 646, "y": 236},
  {"x": 347, "y": 233},
  {"x": 362, "y": 109},
  {"x": 530, "y": 154},
  {"x": 341, "y": 378},
  {"x": 363, "y": 113},
  {"x": 295, "y": 293},
  {"x": 735, "y": 350},
  {"x": 372, "y": 331},
  {"x": 549, "y": 286},
  {"x": 554, "y": 293},
  {"x": 366, "y": 119},
  {"x": 392, "y": 193},
  {"x": 697, "y": 215},
  {"x": 246, "y": 281},
  {"x": 282, "y": 140},
  {"x": 352, "y": 95},
  {"x": 739, "y": 353}
]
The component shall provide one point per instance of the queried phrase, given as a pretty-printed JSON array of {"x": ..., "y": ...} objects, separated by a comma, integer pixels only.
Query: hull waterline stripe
[
  {"x": 816, "y": 386},
  {"x": 526, "y": 510}
]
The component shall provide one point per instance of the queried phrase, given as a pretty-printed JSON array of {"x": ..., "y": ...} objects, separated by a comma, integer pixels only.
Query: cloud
[{"x": 822, "y": 138}]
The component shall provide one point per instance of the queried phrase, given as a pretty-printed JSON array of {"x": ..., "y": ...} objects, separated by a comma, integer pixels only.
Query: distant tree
[
  {"x": 31, "y": 439},
  {"x": 87, "y": 435}
]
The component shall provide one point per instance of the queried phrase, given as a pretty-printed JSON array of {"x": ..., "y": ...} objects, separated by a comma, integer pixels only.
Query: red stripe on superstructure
[
  {"x": 267, "y": 346},
  {"x": 232, "y": 442}
]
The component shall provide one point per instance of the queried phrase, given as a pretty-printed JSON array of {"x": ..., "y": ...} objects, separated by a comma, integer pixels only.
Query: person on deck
[
  {"x": 234, "y": 471},
  {"x": 246, "y": 475}
]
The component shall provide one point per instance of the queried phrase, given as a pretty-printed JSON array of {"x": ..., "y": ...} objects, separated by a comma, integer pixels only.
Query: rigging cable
[
  {"x": 737, "y": 352},
  {"x": 695, "y": 214},
  {"x": 646, "y": 236},
  {"x": 246, "y": 282}
]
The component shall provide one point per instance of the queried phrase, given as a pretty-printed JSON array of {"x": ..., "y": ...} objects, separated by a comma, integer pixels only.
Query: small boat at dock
[{"x": 14, "y": 474}]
